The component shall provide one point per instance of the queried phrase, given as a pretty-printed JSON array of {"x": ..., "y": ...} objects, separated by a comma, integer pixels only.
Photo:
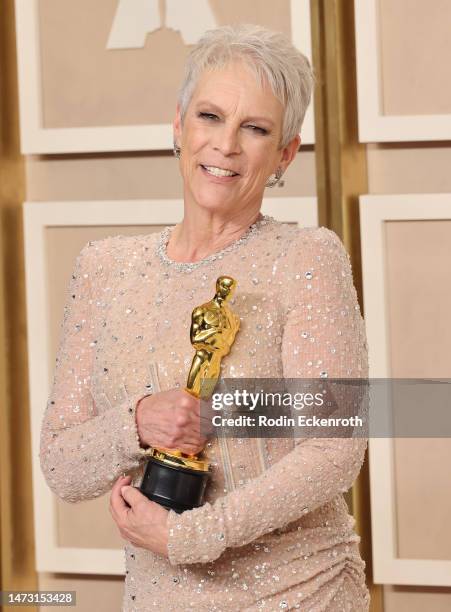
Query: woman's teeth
[{"x": 218, "y": 171}]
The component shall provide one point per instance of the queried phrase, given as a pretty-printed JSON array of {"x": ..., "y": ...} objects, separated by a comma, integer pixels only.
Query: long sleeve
[
  {"x": 82, "y": 452},
  {"x": 324, "y": 336}
]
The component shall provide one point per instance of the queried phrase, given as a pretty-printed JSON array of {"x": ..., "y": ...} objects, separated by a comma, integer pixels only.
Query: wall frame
[
  {"x": 39, "y": 217},
  {"x": 375, "y": 211},
  {"x": 38, "y": 139},
  {"x": 374, "y": 125}
]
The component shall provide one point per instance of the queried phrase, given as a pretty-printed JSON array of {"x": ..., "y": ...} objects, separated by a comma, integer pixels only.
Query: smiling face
[{"x": 230, "y": 141}]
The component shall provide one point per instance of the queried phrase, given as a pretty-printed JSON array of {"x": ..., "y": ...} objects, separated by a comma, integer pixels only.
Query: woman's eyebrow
[{"x": 217, "y": 109}]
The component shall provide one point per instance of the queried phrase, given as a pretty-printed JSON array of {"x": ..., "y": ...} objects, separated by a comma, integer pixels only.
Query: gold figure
[{"x": 213, "y": 330}]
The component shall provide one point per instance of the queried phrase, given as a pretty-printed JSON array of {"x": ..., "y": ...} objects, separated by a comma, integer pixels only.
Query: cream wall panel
[
  {"x": 416, "y": 599},
  {"x": 136, "y": 177},
  {"x": 389, "y": 538},
  {"x": 414, "y": 42},
  {"x": 420, "y": 337},
  {"x": 77, "y": 95},
  {"x": 414, "y": 168},
  {"x": 401, "y": 51}
]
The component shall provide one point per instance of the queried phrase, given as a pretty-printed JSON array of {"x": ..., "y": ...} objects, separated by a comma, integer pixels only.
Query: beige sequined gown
[{"x": 275, "y": 532}]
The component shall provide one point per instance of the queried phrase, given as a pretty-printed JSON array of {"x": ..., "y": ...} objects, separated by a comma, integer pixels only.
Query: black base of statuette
[{"x": 175, "y": 488}]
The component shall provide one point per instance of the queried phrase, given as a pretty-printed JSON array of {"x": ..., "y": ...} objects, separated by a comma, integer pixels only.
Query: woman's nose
[{"x": 227, "y": 141}]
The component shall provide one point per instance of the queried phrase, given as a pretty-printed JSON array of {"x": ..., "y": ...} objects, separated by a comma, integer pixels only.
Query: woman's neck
[{"x": 198, "y": 236}]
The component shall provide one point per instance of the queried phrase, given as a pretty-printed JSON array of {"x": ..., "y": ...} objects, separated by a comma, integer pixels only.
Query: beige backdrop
[
  {"x": 418, "y": 258},
  {"x": 415, "y": 53}
]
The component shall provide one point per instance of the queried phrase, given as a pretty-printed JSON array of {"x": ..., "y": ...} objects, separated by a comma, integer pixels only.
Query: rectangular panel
[
  {"x": 405, "y": 258},
  {"x": 420, "y": 337},
  {"x": 106, "y": 79},
  {"x": 400, "y": 47},
  {"x": 415, "y": 82}
]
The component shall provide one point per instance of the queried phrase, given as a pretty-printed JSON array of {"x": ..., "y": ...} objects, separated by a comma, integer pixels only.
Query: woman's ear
[{"x": 289, "y": 152}]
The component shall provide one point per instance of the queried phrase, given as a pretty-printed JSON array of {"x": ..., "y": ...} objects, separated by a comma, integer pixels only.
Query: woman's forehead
[
  {"x": 234, "y": 72},
  {"x": 234, "y": 81}
]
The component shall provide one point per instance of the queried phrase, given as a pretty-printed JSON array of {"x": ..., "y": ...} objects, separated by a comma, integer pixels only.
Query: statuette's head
[{"x": 225, "y": 286}]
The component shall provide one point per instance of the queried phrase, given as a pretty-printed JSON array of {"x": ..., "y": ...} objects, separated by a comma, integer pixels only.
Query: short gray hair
[{"x": 270, "y": 55}]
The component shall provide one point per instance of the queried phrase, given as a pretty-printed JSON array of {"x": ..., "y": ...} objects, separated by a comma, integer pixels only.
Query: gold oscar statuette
[{"x": 172, "y": 478}]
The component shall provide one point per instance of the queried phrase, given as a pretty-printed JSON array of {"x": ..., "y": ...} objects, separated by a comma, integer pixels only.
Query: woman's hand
[
  {"x": 140, "y": 521},
  {"x": 170, "y": 419}
]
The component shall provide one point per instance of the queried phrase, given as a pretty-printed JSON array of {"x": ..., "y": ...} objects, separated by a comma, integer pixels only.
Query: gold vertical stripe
[
  {"x": 341, "y": 177},
  {"x": 16, "y": 500}
]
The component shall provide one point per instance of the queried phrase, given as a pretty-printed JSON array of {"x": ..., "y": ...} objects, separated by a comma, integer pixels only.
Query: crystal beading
[{"x": 188, "y": 266}]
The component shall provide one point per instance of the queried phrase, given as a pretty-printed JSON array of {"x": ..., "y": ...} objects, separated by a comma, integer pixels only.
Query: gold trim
[
  {"x": 16, "y": 500},
  {"x": 341, "y": 177},
  {"x": 178, "y": 459}
]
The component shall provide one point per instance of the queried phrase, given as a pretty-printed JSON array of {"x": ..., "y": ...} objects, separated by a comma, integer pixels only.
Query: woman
[{"x": 274, "y": 532}]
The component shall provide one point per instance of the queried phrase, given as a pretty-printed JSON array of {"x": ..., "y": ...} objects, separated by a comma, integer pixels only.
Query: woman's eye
[
  {"x": 213, "y": 117},
  {"x": 256, "y": 128},
  {"x": 207, "y": 116}
]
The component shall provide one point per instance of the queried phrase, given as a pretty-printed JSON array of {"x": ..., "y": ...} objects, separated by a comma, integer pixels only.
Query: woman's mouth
[{"x": 218, "y": 172}]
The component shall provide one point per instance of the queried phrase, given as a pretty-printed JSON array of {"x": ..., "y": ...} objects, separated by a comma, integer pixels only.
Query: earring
[
  {"x": 275, "y": 178},
  {"x": 177, "y": 150}
]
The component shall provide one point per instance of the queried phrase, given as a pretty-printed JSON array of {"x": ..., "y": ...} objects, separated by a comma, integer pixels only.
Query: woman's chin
[
  {"x": 214, "y": 206},
  {"x": 214, "y": 199}
]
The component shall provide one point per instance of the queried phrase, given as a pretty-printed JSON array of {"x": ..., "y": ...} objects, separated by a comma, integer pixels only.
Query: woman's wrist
[{"x": 139, "y": 407}]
